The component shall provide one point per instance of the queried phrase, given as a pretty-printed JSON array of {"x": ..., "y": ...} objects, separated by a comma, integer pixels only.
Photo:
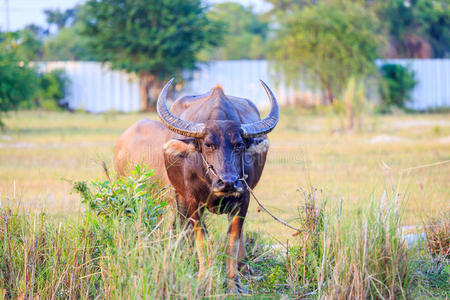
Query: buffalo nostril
[
  {"x": 238, "y": 186},
  {"x": 228, "y": 184}
]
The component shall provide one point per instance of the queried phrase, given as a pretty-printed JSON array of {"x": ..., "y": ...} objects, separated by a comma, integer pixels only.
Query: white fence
[{"x": 96, "y": 88}]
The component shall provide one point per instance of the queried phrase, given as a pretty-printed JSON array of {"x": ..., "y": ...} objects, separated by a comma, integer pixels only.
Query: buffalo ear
[
  {"x": 257, "y": 146},
  {"x": 184, "y": 147}
]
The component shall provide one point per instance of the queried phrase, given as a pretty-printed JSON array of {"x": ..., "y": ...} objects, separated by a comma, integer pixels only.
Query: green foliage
[
  {"x": 246, "y": 33},
  {"x": 326, "y": 44},
  {"x": 414, "y": 25},
  {"x": 60, "y": 18},
  {"x": 286, "y": 5},
  {"x": 18, "y": 81},
  {"x": 397, "y": 82},
  {"x": 52, "y": 87},
  {"x": 29, "y": 46},
  {"x": 160, "y": 38},
  {"x": 127, "y": 198},
  {"x": 68, "y": 44}
]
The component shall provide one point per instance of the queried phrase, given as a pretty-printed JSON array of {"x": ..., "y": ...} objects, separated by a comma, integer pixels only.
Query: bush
[
  {"x": 52, "y": 89},
  {"x": 127, "y": 198},
  {"x": 396, "y": 85}
]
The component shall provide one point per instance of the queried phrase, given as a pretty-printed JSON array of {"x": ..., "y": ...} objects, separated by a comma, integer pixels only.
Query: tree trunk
[
  {"x": 144, "y": 83},
  {"x": 150, "y": 87},
  {"x": 329, "y": 97}
]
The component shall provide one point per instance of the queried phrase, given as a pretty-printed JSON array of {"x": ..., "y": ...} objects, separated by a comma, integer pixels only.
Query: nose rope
[
  {"x": 244, "y": 176},
  {"x": 210, "y": 168}
]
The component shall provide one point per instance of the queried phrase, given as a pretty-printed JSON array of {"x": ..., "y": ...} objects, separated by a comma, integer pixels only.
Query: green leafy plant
[
  {"x": 397, "y": 82},
  {"x": 18, "y": 81},
  {"x": 52, "y": 87},
  {"x": 128, "y": 198}
]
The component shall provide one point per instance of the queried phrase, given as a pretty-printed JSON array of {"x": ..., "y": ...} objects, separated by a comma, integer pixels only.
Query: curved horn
[
  {"x": 174, "y": 123},
  {"x": 267, "y": 124}
]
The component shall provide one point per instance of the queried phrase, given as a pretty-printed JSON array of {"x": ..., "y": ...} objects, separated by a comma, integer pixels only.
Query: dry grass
[
  {"x": 39, "y": 150},
  {"x": 437, "y": 231}
]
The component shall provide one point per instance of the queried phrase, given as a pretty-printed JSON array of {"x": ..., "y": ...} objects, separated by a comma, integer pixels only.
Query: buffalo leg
[
  {"x": 195, "y": 220},
  {"x": 191, "y": 219},
  {"x": 200, "y": 247},
  {"x": 242, "y": 255},
  {"x": 234, "y": 240}
]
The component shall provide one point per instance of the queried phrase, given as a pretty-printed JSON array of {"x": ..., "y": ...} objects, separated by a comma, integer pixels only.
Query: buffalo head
[{"x": 223, "y": 149}]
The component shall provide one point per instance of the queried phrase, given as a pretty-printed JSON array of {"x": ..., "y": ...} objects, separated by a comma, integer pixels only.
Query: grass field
[
  {"x": 40, "y": 151},
  {"x": 392, "y": 172}
]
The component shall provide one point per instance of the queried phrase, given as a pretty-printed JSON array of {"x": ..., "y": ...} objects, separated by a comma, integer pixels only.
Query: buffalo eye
[
  {"x": 209, "y": 146},
  {"x": 238, "y": 147}
]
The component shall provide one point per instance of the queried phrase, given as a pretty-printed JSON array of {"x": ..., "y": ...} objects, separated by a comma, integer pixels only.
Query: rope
[
  {"x": 210, "y": 168},
  {"x": 298, "y": 231}
]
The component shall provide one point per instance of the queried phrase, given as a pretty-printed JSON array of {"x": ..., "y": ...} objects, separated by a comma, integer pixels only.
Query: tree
[
  {"x": 68, "y": 44},
  {"x": 155, "y": 39},
  {"x": 60, "y": 18},
  {"x": 38, "y": 31},
  {"x": 18, "y": 81},
  {"x": 416, "y": 28},
  {"x": 279, "y": 7},
  {"x": 246, "y": 33},
  {"x": 26, "y": 44},
  {"x": 326, "y": 44}
]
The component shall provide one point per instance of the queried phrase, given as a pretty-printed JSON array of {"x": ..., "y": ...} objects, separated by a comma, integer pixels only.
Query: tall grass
[
  {"x": 361, "y": 258},
  {"x": 125, "y": 246},
  {"x": 83, "y": 259}
]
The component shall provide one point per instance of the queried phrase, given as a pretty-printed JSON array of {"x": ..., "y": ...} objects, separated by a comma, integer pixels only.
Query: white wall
[{"x": 96, "y": 88}]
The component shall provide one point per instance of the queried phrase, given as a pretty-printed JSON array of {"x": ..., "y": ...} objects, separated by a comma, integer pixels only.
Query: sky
[{"x": 24, "y": 12}]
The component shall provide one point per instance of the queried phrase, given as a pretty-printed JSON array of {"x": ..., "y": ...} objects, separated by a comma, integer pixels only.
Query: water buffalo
[{"x": 205, "y": 146}]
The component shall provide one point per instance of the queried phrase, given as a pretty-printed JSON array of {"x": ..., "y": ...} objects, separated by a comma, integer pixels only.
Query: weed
[{"x": 125, "y": 197}]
